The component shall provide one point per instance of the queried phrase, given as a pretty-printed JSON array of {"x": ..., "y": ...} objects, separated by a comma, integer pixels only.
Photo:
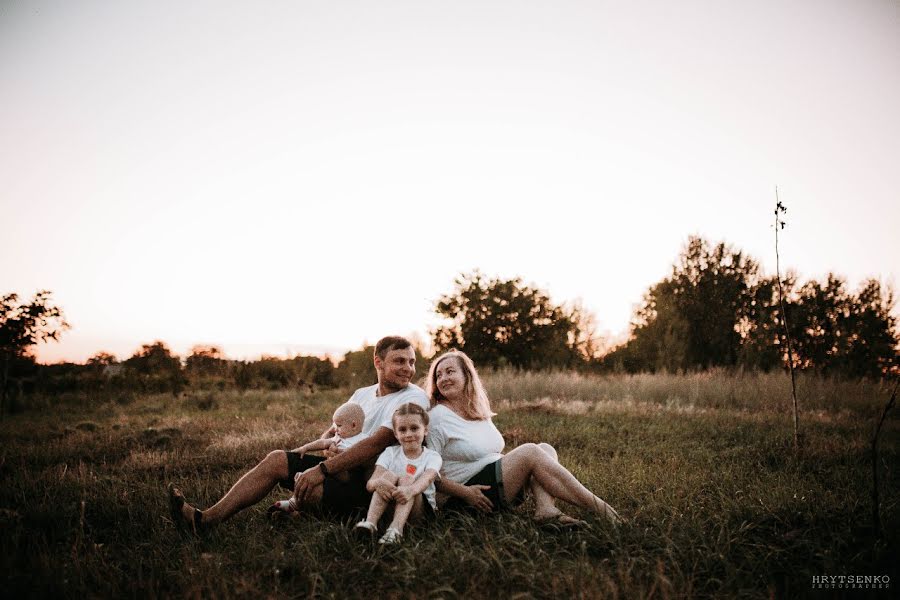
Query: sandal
[{"x": 176, "y": 504}]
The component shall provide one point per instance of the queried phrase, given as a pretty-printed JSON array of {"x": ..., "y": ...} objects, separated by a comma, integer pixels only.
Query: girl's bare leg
[
  {"x": 531, "y": 461},
  {"x": 403, "y": 511},
  {"x": 378, "y": 504}
]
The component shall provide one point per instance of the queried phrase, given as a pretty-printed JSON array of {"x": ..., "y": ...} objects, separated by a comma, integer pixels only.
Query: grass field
[{"x": 700, "y": 464}]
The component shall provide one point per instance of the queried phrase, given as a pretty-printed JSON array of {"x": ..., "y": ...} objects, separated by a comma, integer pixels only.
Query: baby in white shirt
[{"x": 346, "y": 429}]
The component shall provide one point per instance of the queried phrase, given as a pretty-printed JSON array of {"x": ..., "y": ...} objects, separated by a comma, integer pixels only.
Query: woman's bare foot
[{"x": 559, "y": 520}]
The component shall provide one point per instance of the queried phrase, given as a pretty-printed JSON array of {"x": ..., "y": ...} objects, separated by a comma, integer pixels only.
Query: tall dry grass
[{"x": 715, "y": 389}]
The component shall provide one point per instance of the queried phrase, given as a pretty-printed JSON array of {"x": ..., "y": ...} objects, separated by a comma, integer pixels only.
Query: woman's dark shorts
[
  {"x": 340, "y": 498},
  {"x": 491, "y": 475}
]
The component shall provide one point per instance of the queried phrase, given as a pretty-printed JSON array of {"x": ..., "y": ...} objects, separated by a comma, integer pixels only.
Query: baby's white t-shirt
[
  {"x": 394, "y": 460},
  {"x": 345, "y": 443},
  {"x": 466, "y": 446},
  {"x": 380, "y": 409}
]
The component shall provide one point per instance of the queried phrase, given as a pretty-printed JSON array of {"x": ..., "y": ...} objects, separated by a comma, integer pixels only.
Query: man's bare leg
[{"x": 252, "y": 487}]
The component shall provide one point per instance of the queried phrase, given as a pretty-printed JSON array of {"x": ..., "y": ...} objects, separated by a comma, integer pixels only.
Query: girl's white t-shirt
[
  {"x": 466, "y": 446},
  {"x": 393, "y": 459}
]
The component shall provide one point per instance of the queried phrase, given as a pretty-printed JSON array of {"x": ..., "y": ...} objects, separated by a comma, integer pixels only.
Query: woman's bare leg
[
  {"x": 544, "y": 503},
  {"x": 530, "y": 461}
]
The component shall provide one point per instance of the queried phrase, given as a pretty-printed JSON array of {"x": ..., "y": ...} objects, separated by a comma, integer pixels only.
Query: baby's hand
[
  {"x": 403, "y": 494},
  {"x": 332, "y": 451}
]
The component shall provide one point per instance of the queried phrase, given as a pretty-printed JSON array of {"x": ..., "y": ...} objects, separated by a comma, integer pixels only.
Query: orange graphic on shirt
[{"x": 410, "y": 469}]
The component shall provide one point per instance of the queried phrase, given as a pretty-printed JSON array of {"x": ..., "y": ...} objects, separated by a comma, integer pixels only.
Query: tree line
[
  {"x": 154, "y": 368},
  {"x": 715, "y": 309}
]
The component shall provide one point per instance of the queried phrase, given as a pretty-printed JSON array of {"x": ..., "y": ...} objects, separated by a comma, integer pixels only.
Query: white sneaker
[
  {"x": 365, "y": 530},
  {"x": 391, "y": 536}
]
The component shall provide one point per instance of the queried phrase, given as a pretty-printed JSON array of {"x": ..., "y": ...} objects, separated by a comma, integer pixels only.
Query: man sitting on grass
[{"x": 312, "y": 477}]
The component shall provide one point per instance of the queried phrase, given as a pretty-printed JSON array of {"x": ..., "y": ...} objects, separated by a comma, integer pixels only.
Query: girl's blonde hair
[{"x": 477, "y": 405}]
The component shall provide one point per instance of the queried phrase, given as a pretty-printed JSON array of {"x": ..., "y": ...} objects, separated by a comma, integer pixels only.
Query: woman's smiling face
[{"x": 450, "y": 378}]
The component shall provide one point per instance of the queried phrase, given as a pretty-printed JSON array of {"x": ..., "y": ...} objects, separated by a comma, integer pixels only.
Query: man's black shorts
[{"x": 341, "y": 498}]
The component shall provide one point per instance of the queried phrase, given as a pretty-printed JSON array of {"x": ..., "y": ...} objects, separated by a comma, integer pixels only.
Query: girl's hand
[
  {"x": 475, "y": 497},
  {"x": 385, "y": 489},
  {"x": 403, "y": 494}
]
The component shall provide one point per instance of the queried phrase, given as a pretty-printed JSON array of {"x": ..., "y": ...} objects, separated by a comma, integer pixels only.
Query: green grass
[{"x": 700, "y": 464}]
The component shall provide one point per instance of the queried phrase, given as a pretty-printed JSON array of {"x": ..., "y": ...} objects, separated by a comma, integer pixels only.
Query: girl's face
[
  {"x": 449, "y": 378},
  {"x": 410, "y": 431}
]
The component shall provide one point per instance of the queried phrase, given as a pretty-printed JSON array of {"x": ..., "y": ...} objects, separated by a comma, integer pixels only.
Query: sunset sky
[{"x": 280, "y": 177}]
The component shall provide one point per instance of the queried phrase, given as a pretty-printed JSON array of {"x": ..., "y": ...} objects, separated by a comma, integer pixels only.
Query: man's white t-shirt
[
  {"x": 394, "y": 460},
  {"x": 380, "y": 409},
  {"x": 465, "y": 446}
]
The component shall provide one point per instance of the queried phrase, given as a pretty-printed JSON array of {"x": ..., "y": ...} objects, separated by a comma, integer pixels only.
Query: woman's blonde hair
[{"x": 477, "y": 405}]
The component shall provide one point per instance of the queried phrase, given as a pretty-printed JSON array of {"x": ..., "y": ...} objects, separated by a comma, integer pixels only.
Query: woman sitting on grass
[{"x": 475, "y": 474}]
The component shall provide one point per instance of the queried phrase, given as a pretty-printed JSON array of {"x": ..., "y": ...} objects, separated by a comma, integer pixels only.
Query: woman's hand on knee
[{"x": 475, "y": 497}]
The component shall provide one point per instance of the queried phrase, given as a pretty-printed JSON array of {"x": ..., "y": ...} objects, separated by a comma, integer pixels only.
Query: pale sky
[{"x": 306, "y": 176}]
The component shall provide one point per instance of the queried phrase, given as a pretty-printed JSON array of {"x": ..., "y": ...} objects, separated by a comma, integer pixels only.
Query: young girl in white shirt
[{"x": 404, "y": 476}]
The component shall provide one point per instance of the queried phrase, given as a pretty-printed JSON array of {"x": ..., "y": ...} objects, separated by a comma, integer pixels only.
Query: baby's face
[{"x": 345, "y": 427}]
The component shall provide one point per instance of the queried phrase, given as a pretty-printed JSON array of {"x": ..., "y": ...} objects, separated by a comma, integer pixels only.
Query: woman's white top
[
  {"x": 395, "y": 460},
  {"x": 466, "y": 446}
]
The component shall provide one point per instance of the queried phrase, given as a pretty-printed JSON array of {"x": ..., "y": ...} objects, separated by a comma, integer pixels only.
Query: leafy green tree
[
  {"x": 505, "y": 322},
  {"x": 22, "y": 325},
  {"x": 874, "y": 340},
  {"x": 356, "y": 369},
  {"x": 157, "y": 369},
  {"x": 694, "y": 318},
  {"x": 206, "y": 361},
  {"x": 102, "y": 360},
  {"x": 837, "y": 332},
  {"x": 311, "y": 370}
]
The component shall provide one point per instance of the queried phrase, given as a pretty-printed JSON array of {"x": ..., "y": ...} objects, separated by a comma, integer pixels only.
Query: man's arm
[{"x": 360, "y": 454}]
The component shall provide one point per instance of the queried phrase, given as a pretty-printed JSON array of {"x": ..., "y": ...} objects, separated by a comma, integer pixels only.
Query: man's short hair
[{"x": 391, "y": 342}]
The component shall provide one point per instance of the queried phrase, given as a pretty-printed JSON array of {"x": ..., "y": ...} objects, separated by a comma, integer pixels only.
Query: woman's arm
[{"x": 470, "y": 494}]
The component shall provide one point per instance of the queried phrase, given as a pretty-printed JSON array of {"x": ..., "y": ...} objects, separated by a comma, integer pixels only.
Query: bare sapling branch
[
  {"x": 876, "y": 509},
  {"x": 779, "y": 224}
]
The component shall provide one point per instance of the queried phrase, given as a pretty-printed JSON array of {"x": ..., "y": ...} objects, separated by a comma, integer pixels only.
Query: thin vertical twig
[
  {"x": 779, "y": 224},
  {"x": 876, "y": 509}
]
